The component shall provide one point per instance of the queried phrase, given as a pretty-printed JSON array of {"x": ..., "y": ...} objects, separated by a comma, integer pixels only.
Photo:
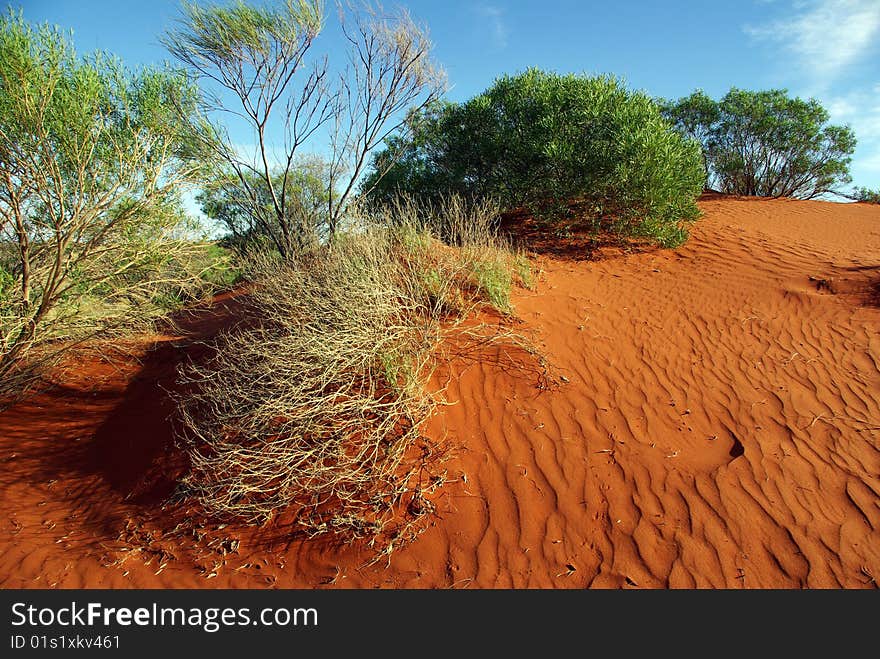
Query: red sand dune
[{"x": 715, "y": 423}]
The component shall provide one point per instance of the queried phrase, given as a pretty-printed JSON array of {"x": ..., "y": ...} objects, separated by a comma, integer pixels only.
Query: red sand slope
[{"x": 717, "y": 426}]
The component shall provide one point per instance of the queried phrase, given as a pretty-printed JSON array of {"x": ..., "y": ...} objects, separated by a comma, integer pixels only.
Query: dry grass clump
[
  {"x": 461, "y": 237},
  {"x": 315, "y": 406}
]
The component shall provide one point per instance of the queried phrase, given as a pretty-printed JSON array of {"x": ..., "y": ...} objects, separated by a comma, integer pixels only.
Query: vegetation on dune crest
[
  {"x": 552, "y": 143},
  {"x": 315, "y": 405},
  {"x": 765, "y": 143},
  {"x": 315, "y": 408},
  {"x": 93, "y": 159},
  {"x": 866, "y": 195}
]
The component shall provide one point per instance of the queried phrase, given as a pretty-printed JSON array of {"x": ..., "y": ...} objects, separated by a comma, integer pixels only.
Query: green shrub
[
  {"x": 218, "y": 265},
  {"x": 523, "y": 269},
  {"x": 244, "y": 208},
  {"x": 95, "y": 159},
  {"x": 867, "y": 195},
  {"x": 6, "y": 281},
  {"x": 492, "y": 277},
  {"x": 549, "y": 142}
]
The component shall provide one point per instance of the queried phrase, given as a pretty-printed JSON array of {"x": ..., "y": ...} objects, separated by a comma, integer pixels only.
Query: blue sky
[{"x": 828, "y": 49}]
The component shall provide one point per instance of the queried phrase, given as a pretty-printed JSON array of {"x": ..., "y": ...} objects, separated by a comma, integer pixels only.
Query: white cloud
[
  {"x": 826, "y": 36},
  {"x": 495, "y": 25},
  {"x": 821, "y": 42},
  {"x": 860, "y": 109}
]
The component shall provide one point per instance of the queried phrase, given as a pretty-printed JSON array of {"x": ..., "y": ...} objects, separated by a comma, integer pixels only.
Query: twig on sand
[
  {"x": 610, "y": 452},
  {"x": 819, "y": 417},
  {"x": 329, "y": 581},
  {"x": 791, "y": 358}
]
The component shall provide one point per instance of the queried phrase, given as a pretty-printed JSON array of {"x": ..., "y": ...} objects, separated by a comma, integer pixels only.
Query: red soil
[{"x": 716, "y": 425}]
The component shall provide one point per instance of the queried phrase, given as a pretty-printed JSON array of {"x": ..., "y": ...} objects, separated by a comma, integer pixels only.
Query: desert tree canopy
[
  {"x": 766, "y": 143},
  {"x": 866, "y": 195},
  {"x": 248, "y": 219}
]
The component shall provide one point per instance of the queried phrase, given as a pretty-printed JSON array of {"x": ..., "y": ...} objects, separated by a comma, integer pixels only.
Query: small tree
[
  {"x": 766, "y": 143},
  {"x": 254, "y": 53},
  {"x": 92, "y": 161},
  {"x": 225, "y": 200},
  {"x": 258, "y": 54},
  {"x": 866, "y": 195}
]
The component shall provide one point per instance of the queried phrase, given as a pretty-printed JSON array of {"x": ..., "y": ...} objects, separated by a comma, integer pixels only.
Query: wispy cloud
[
  {"x": 493, "y": 22},
  {"x": 861, "y": 110},
  {"x": 826, "y": 36},
  {"x": 821, "y": 43}
]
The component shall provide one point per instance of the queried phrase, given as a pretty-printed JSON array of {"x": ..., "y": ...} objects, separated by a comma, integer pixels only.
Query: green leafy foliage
[
  {"x": 549, "y": 143},
  {"x": 94, "y": 159},
  {"x": 766, "y": 143},
  {"x": 253, "y": 33},
  {"x": 867, "y": 195},
  {"x": 243, "y": 206}
]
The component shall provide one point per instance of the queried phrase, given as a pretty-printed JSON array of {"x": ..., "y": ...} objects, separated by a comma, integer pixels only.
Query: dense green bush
[
  {"x": 766, "y": 143},
  {"x": 552, "y": 143}
]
